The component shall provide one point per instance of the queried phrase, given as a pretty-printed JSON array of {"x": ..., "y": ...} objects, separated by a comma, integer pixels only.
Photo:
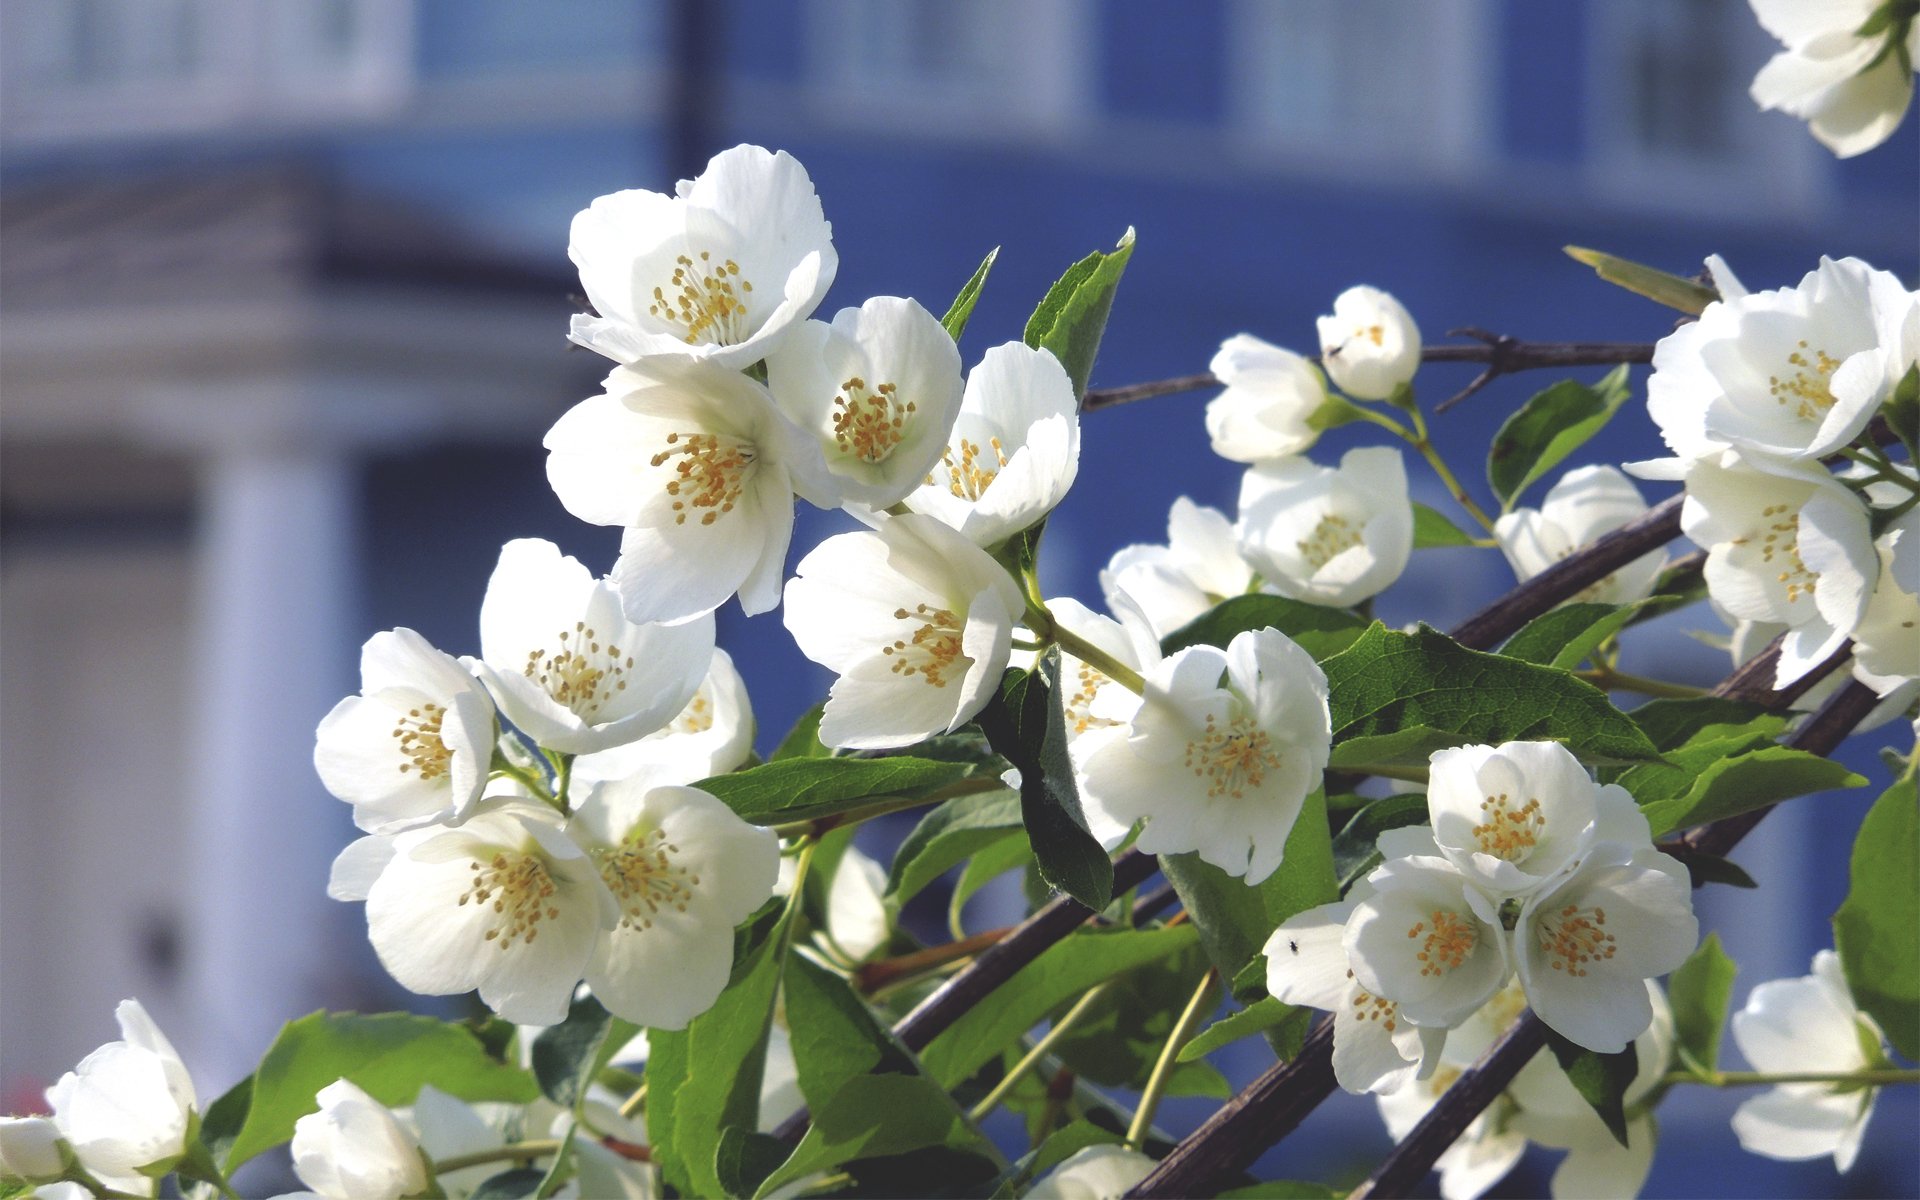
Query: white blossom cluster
[{"x": 1846, "y": 68}]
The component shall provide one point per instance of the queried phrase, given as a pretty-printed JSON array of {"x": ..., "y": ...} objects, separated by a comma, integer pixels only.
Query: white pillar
[{"x": 275, "y": 565}]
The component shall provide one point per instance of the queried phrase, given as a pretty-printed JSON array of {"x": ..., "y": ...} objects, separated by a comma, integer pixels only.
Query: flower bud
[
  {"x": 1369, "y": 345},
  {"x": 354, "y": 1148},
  {"x": 30, "y": 1148}
]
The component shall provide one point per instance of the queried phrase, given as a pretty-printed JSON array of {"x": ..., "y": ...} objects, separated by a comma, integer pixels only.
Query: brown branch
[{"x": 869, "y": 978}]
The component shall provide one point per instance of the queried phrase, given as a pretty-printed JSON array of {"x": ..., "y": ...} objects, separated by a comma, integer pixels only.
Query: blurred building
[{"x": 285, "y": 289}]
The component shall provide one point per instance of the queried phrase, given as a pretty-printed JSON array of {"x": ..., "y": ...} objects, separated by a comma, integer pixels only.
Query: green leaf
[
  {"x": 805, "y": 789},
  {"x": 1874, "y": 928},
  {"x": 835, "y": 1036},
  {"x": 1433, "y": 531},
  {"x": 745, "y": 1158},
  {"x": 560, "y": 1170},
  {"x": 1280, "y": 1189},
  {"x": 1703, "y": 869},
  {"x": 1235, "y": 920},
  {"x": 1744, "y": 782},
  {"x": 1402, "y": 750},
  {"x": 1355, "y": 848},
  {"x": 1027, "y": 726},
  {"x": 1549, "y": 427},
  {"x": 1073, "y": 314},
  {"x": 1257, "y": 1017},
  {"x": 564, "y": 1055},
  {"x": 1671, "y": 724},
  {"x": 962, "y": 308},
  {"x": 1059, "y": 976},
  {"x": 803, "y": 740},
  {"x": 1659, "y": 286},
  {"x": 1118, "y": 1038},
  {"x": 1903, "y": 412},
  {"x": 518, "y": 1183},
  {"x": 873, "y": 1116},
  {"x": 1699, "y": 992},
  {"x": 1320, "y": 631},
  {"x": 389, "y": 1056},
  {"x": 956, "y": 830},
  {"x": 1069, "y": 1140},
  {"x": 1566, "y": 636},
  {"x": 987, "y": 865},
  {"x": 1601, "y": 1079},
  {"x": 1388, "y": 681},
  {"x": 222, "y": 1121}
]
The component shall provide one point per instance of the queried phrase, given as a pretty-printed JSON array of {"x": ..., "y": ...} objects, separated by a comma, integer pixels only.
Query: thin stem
[
  {"x": 632, "y": 1104},
  {"x": 1609, "y": 680},
  {"x": 1881, "y": 466},
  {"x": 1157, "y": 1082},
  {"x": 533, "y": 782},
  {"x": 1040, "y": 1050},
  {"x": 538, "y": 1148},
  {"x": 1725, "y": 1079},
  {"x": 871, "y": 977},
  {"x": 1427, "y": 450},
  {"x": 1072, "y": 643}
]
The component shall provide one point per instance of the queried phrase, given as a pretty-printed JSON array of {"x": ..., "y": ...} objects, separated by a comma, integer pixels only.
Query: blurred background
[{"x": 283, "y": 294}]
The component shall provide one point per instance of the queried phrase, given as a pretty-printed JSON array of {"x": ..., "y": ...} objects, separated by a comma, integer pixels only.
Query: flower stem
[
  {"x": 633, "y": 1103},
  {"x": 1427, "y": 450},
  {"x": 517, "y": 1150},
  {"x": 1169, "y": 1055},
  {"x": 534, "y": 783},
  {"x": 1040, "y": 1050},
  {"x": 1609, "y": 680},
  {"x": 1043, "y": 625},
  {"x": 869, "y": 978},
  {"x": 1725, "y": 1079}
]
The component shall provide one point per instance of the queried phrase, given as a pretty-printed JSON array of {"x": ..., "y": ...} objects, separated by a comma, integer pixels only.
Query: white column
[{"x": 276, "y": 565}]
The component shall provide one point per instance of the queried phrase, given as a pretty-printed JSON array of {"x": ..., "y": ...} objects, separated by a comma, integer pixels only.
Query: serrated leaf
[
  {"x": 1058, "y": 977},
  {"x": 1601, "y": 1079},
  {"x": 1073, "y": 314},
  {"x": 1388, "y": 681},
  {"x": 803, "y": 740},
  {"x": 955, "y": 322},
  {"x": 1670, "y": 724},
  {"x": 1025, "y": 723},
  {"x": 1873, "y": 931},
  {"x": 389, "y": 1056},
  {"x": 950, "y": 833},
  {"x": 1235, "y": 920},
  {"x": 1659, "y": 286},
  {"x": 1699, "y": 992},
  {"x": 1547, "y": 428},
  {"x": 1355, "y": 847},
  {"x": 1432, "y": 531},
  {"x": 1744, "y": 782},
  {"x": 1320, "y": 631},
  {"x": 805, "y": 789},
  {"x": 1566, "y": 636},
  {"x": 1257, "y": 1017}
]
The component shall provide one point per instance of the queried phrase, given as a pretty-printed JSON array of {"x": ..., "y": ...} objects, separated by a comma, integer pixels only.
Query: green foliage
[
  {"x": 744, "y": 1159},
  {"x": 1068, "y": 1141},
  {"x": 958, "y": 313},
  {"x": 1059, "y": 976},
  {"x": 1670, "y": 724},
  {"x": 803, "y": 740},
  {"x": 1235, "y": 920},
  {"x": 1547, "y": 428},
  {"x": 1874, "y": 929},
  {"x": 1073, "y": 314},
  {"x": 1433, "y": 531},
  {"x": 1320, "y": 631},
  {"x": 1903, "y": 412},
  {"x": 876, "y": 1116},
  {"x": 1402, "y": 752},
  {"x": 1659, "y": 286},
  {"x": 390, "y": 1056},
  {"x": 806, "y": 789},
  {"x": 1567, "y": 635},
  {"x": 1118, "y": 1039},
  {"x": 1388, "y": 681},
  {"x": 1259, "y": 1017},
  {"x": 1026, "y": 725},
  {"x": 987, "y": 865},
  {"x": 1700, "y": 991},
  {"x": 1280, "y": 1189},
  {"x": 1703, "y": 869},
  {"x": 1355, "y": 852},
  {"x": 1601, "y": 1079},
  {"x": 568, "y": 1056},
  {"x": 1725, "y": 785},
  {"x": 516, "y": 1183},
  {"x": 953, "y": 832},
  {"x": 835, "y": 1037}
]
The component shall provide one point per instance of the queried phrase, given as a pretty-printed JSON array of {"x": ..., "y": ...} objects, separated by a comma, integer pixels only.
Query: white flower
[
  {"x": 566, "y": 666},
  {"x": 1369, "y": 343},
  {"x": 1585, "y": 946},
  {"x": 1785, "y": 543},
  {"x": 1886, "y": 642},
  {"x": 1220, "y": 765},
  {"x": 415, "y": 745},
  {"x": 126, "y": 1106},
  {"x": 712, "y": 735},
  {"x": 1328, "y": 535},
  {"x": 1852, "y": 91},
  {"x": 1490, "y": 1147},
  {"x": 1170, "y": 585},
  {"x": 504, "y": 903},
  {"x": 1267, "y": 408},
  {"x": 1099, "y": 710},
  {"x": 857, "y": 924},
  {"x": 721, "y": 271},
  {"x": 354, "y": 1148},
  {"x": 879, "y": 389},
  {"x": 684, "y": 870},
  {"x": 1428, "y": 940},
  {"x": 1014, "y": 449},
  {"x": 1512, "y": 817},
  {"x": 1805, "y": 1024},
  {"x": 1374, "y": 1048},
  {"x": 916, "y": 620},
  {"x": 30, "y": 1149},
  {"x": 1790, "y": 373},
  {"x": 1094, "y": 1173},
  {"x": 1585, "y": 504}
]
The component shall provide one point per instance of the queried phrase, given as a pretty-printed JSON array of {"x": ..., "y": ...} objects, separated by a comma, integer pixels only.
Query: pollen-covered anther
[
  {"x": 1078, "y": 705},
  {"x": 582, "y": 674},
  {"x": 969, "y": 478},
  {"x": 870, "y": 423},
  {"x": 1808, "y": 387},
  {"x": 1232, "y": 759},
  {"x": 1508, "y": 832},
  {"x": 1575, "y": 937},
  {"x": 704, "y": 300},
  {"x": 645, "y": 879},
  {"x": 1781, "y": 539},
  {"x": 1448, "y": 939},
  {"x": 520, "y": 892},
  {"x": 418, "y": 732},
  {"x": 710, "y": 475},
  {"x": 696, "y": 717},
  {"x": 1332, "y": 536},
  {"x": 932, "y": 649},
  {"x": 1369, "y": 1007}
]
